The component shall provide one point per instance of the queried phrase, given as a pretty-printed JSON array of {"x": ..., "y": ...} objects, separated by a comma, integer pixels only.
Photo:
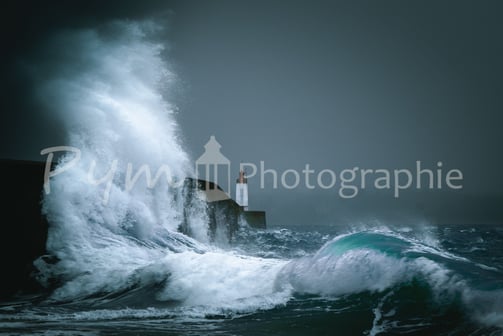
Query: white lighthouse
[{"x": 242, "y": 190}]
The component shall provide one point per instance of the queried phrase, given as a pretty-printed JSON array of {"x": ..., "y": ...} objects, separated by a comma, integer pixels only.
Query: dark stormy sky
[{"x": 376, "y": 84}]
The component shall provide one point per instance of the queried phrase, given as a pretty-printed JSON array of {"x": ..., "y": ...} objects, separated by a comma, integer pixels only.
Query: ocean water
[
  {"x": 117, "y": 264},
  {"x": 375, "y": 281}
]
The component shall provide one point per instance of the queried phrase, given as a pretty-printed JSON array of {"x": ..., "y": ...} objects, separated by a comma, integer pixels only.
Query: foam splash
[{"x": 109, "y": 93}]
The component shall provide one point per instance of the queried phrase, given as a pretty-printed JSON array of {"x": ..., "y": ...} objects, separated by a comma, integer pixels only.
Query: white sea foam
[
  {"x": 110, "y": 94},
  {"x": 353, "y": 272}
]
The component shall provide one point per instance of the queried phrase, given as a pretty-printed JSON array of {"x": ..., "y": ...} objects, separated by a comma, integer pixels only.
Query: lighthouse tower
[{"x": 242, "y": 190}]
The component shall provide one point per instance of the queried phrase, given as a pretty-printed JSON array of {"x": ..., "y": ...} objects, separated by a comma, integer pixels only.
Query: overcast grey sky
[
  {"x": 376, "y": 84},
  {"x": 334, "y": 84}
]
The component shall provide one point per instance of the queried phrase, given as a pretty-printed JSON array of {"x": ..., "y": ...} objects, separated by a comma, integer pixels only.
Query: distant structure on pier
[{"x": 223, "y": 210}]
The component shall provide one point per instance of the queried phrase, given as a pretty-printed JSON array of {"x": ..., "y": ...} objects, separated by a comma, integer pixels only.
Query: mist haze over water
[{"x": 332, "y": 85}]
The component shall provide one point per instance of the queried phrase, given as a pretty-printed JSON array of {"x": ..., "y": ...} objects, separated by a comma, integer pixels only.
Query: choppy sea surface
[{"x": 421, "y": 280}]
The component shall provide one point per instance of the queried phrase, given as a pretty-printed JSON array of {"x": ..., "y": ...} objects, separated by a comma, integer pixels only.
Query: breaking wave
[{"x": 116, "y": 253}]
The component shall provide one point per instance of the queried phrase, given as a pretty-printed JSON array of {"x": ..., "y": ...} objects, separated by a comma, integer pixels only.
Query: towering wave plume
[
  {"x": 114, "y": 236},
  {"x": 108, "y": 89}
]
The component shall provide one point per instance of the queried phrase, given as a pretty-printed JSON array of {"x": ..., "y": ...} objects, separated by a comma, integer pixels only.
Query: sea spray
[
  {"x": 108, "y": 89},
  {"x": 115, "y": 237}
]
